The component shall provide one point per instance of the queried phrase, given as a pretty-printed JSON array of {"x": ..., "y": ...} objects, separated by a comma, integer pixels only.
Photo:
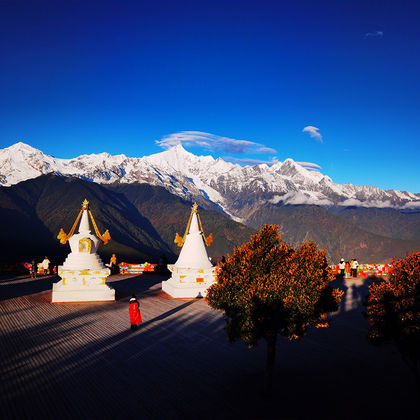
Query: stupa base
[
  {"x": 189, "y": 282},
  {"x": 180, "y": 291},
  {"x": 83, "y": 286}
]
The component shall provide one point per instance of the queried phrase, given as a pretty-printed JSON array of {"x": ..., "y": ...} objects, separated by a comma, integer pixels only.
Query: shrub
[
  {"x": 267, "y": 288},
  {"x": 393, "y": 310}
]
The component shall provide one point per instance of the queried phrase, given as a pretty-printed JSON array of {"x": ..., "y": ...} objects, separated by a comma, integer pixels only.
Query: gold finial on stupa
[
  {"x": 106, "y": 237},
  {"x": 180, "y": 240}
]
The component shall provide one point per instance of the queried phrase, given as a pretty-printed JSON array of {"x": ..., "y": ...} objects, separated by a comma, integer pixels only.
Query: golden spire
[
  {"x": 106, "y": 237},
  {"x": 180, "y": 240}
]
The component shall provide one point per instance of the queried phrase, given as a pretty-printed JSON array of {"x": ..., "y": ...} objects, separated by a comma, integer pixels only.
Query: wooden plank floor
[{"x": 81, "y": 361}]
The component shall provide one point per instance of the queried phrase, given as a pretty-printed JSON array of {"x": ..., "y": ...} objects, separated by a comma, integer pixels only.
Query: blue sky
[{"x": 130, "y": 76}]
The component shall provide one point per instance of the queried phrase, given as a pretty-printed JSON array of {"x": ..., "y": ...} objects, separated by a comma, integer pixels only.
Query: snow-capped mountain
[{"x": 236, "y": 189}]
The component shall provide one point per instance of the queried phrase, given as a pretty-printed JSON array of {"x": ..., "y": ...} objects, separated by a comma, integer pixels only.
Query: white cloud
[
  {"x": 350, "y": 202},
  {"x": 264, "y": 149},
  {"x": 296, "y": 198},
  {"x": 276, "y": 199},
  {"x": 372, "y": 203},
  {"x": 375, "y": 34},
  {"x": 412, "y": 205},
  {"x": 245, "y": 161},
  {"x": 313, "y": 132},
  {"x": 213, "y": 142},
  {"x": 378, "y": 204},
  {"x": 251, "y": 162},
  {"x": 310, "y": 166}
]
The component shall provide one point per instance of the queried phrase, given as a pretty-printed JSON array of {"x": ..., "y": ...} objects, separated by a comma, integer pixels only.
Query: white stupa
[
  {"x": 83, "y": 274},
  {"x": 193, "y": 273}
]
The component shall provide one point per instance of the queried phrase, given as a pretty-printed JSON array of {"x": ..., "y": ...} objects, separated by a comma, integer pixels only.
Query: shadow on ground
[
  {"x": 82, "y": 361},
  {"x": 18, "y": 286},
  {"x": 24, "y": 286}
]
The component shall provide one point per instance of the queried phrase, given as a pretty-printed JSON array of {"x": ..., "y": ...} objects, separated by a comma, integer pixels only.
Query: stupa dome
[
  {"x": 83, "y": 275},
  {"x": 83, "y": 244},
  {"x": 193, "y": 273},
  {"x": 194, "y": 254}
]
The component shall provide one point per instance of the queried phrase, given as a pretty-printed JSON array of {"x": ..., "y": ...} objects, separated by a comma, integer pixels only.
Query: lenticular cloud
[
  {"x": 213, "y": 143},
  {"x": 313, "y": 132}
]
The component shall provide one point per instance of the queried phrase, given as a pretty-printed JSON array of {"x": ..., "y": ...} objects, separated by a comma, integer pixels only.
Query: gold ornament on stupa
[
  {"x": 63, "y": 237},
  {"x": 181, "y": 240}
]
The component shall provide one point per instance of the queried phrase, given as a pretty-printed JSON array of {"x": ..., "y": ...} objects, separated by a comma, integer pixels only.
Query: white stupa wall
[
  {"x": 83, "y": 246},
  {"x": 193, "y": 273},
  {"x": 194, "y": 254},
  {"x": 84, "y": 227},
  {"x": 83, "y": 273},
  {"x": 82, "y": 286}
]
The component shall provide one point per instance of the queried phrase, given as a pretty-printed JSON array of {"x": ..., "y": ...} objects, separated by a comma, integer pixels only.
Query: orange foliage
[
  {"x": 267, "y": 287},
  {"x": 393, "y": 308}
]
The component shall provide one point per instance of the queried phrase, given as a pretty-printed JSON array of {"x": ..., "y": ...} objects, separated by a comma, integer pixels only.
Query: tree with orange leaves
[
  {"x": 393, "y": 310},
  {"x": 267, "y": 288}
]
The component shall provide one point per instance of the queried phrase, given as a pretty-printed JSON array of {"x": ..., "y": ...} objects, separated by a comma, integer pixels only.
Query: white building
[
  {"x": 193, "y": 273},
  {"x": 83, "y": 274}
]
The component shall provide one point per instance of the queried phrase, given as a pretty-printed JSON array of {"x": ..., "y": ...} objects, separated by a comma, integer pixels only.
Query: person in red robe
[{"x": 135, "y": 315}]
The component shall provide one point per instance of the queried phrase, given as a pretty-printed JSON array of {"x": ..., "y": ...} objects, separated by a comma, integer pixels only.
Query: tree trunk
[{"x": 271, "y": 360}]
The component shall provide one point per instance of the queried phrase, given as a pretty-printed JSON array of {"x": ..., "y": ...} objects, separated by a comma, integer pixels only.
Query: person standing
[
  {"x": 341, "y": 267},
  {"x": 163, "y": 264},
  {"x": 347, "y": 269},
  {"x": 113, "y": 264},
  {"x": 34, "y": 269},
  {"x": 46, "y": 265},
  {"x": 354, "y": 266},
  {"x": 135, "y": 315}
]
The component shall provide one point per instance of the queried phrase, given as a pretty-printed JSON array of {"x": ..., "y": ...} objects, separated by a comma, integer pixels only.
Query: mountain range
[
  {"x": 153, "y": 194},
  {"x": 142, "y": 220}
]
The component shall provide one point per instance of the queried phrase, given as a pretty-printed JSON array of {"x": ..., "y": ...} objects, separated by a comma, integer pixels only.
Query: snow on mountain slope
[{"x": 228, "y": 185}]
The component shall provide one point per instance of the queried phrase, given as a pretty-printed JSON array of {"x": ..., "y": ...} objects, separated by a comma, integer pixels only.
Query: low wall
[
  {"x": 367, "y": 270},
  {"x": 126, "y": 268}
]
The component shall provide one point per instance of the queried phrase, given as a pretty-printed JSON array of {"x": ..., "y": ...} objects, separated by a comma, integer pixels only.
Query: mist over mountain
[{"x": 148, "y": 199}]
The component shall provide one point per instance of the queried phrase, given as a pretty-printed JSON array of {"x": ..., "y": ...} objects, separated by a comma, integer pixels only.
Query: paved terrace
[{"x": 81, "y": 361}]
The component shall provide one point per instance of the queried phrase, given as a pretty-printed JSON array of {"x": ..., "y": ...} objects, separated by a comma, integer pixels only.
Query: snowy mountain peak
[
  {"x": 18, "y": 146},
  {"x": 179, "y": 152},
  {"x": 291, "y": 168},
  {"x": 289, "y": 162},
  {"x": 203, "y": 179},
  {"x": 21, "y": 147},
  {"x": 179, "y": 148},
  {"x": 178, "y": 159}
]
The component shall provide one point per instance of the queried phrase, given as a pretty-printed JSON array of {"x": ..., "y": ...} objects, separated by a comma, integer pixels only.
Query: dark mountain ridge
[
  {"x": 169, "y": 215},
  {"x": 142, "y": 220},
  {"x": 339, "y": 236},
  {"x": 389, "y": 222}
]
